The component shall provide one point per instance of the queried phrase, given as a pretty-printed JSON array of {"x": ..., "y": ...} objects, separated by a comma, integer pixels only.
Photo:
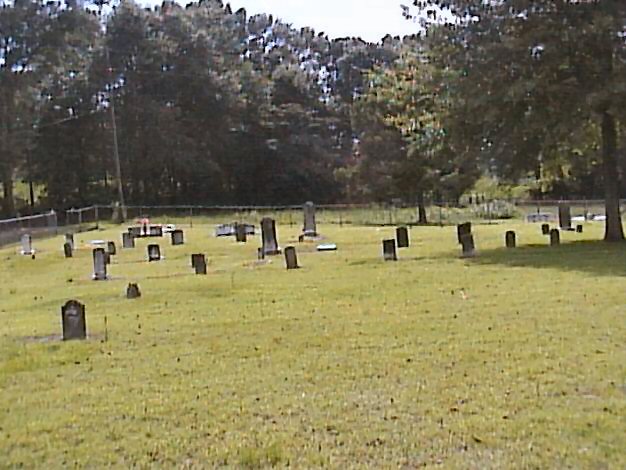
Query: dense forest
[{"x": 200, "y": 104}]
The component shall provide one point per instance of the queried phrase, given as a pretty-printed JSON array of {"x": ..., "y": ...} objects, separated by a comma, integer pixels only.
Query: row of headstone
[
  {"x": 146, "y": 230},
  {"x": 228, "y": 230}
]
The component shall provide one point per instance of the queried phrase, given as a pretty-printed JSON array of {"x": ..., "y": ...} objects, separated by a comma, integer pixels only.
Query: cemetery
[{"x": 473, "y": 345}]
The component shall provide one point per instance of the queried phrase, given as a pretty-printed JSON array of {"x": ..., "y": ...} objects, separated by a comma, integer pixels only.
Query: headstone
[
  {"x": 198, "y": 261},
  {"x": 224, "y": 230},
  {"x": 579, "y": 228},
  {"x": 69, "y": 238},
  {"x": 310, "y": 227},
  {"x": 128, "y": 241},
  {"x": 27, "y": 244},
  {"x": 178, "y": 237},
  {"x": 463, "y": 229},
  {"x": 250, "y": 230},
  {"x": 268, "y": 235},
  {"x": 132, "y": 291},
  {"x": 107, "y": 257},
  {"x": 67, "y": 249},
  {"x": 545, "y": 229},
  {"x": 510, "y": 239},
  {"x": 99, "y": 265},
  {"x": 155, "y": 231},
  {"x": 327, "y": 247},
  {"x": 539, "y": 217},
  {"x": 467, "y": 245},
  {"x": 135, "y": 232},
  {"x": 240, "y": 233},
  {"x": 555, "y": 237},
  {"x": 402, "y": 237},
  {"x": 73, "y": 320},
  {"x": 111, "y": 249},
  {"x": 154, "y": 252},
  {"x": 389, "y": 250},
  {"x": 291, "y": 259},
  {"x": 565, "y": 217}
]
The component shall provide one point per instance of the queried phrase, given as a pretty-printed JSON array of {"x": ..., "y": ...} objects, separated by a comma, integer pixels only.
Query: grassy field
[{"x": 512, "y": 359}]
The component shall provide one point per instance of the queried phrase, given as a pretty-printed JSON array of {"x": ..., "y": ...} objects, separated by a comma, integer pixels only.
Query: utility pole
[{"x": 116, "y": 152}]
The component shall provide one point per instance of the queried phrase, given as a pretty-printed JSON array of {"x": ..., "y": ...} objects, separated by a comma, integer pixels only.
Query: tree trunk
[
  {"x": 613, "y": 226},
  {"x": 8, "y": 204},
  {"x": 421, "y": 209}
]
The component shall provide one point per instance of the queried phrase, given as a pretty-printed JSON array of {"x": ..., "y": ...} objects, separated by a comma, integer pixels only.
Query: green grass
[{"x": 515, "y": 358}]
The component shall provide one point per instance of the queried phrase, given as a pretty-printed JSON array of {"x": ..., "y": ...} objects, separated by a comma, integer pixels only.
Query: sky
[{"x": 369, "y": 19}]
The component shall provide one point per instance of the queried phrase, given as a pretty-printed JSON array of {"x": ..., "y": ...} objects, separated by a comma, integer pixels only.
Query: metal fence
[{"x": 42, "y": 225}]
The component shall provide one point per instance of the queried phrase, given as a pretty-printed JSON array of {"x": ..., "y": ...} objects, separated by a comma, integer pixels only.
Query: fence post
[{"x": 191, "y": 217}]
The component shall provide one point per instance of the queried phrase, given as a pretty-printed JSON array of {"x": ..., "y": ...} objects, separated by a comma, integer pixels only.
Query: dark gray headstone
[
  {"x": 69, "y": 238},
  {"x": 555, "y": 237},
  {"x": 111, "y": 248},
  {"x": 510, "y": 239},
  {"x": 99, "y": 264},
  {"x": 389, "y": 250},
  {"x": 198, "y": 261},
  {"x": 241, "y": 234},
  {"x": 565, "y": 217},
  {"x": 128, "y": 240},
  {"x": 579, "y": 228},
  {"x": 178, "y": 237},
  {"x": 268, "y": 235},
  {"x": 132, "y": 291},
  {"x": 463, "y": 229},
  {"x": 402, "y": 237},
  {"x": 67, "y": 249},
  {"x": 155, "y": 231},
  {"x": 545, "y": 229},
  {"x": 291, "y": 259},
  {"x": 310, "y": 227},
  {"x": 154, "y": 252},
  {"x": 135, "y": 232},
  {"x": 73, "y": 320},
  {"x": 467, "y": 245}
]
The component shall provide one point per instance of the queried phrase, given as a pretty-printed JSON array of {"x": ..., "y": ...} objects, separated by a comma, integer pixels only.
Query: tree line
[{"x": 207, "y": 105}]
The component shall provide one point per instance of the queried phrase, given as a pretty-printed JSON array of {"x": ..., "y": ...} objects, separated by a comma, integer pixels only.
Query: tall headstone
[
  {"x": 555, "y": 237},
  {"x": 128, "y": 240},
  {"x": 178, "y": 237},
  {"x": 111, "y": 248},
  {"x": 27, "y": 244},
  {"x": 291, "y": 259},
  {"x": 463, "y": 229},
  {"x": 467, "y": 245},
  {"x": 545, "y": 229},
  {"x": 69, "y": 238},
  {"x": 241, "y": 234},
  {"x": 268, "y": 235},
  {"x": 73, "y": 320},
  {"x": 67, "y": 249},
  {"x": 154, "y": 252},
  {"x": 198, "y": 261},
  {"x": 389, "y": 250},
  {"x": 402, "y": 237},
  {"x": 99, "y": 265},
  {"x": 132, "y": 291},
  {"x": 310, "y": 227},
  {"x": 565, "y": 217},
  {"x": 510, "y": 239}
]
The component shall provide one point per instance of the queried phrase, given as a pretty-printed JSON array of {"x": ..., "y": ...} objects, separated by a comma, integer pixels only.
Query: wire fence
[{"x": 444, "y": 213}]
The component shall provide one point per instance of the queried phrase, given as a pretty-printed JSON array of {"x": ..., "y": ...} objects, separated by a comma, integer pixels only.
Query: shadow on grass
[{"x": 596, "y": 257}]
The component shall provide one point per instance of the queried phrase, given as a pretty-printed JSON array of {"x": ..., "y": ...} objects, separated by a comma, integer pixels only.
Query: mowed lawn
[{"x": 515, "y": 358}]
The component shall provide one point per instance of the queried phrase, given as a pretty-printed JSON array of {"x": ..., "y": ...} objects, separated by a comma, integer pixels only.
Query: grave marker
[
  {"x": 268, "y": 236},
  {"x": 291, "y": 259},
  {"x": 198, "y": 261},
  {"x": 240, "y": 233},
  {"x": 310, "y": 227},
  {"x": 132, "y": 291},
  {"x": 565, "y": 217},
  {"x": 402, "y": 237},
  {"x": 510, "y": 239},
  {"x": 27, "y": 245},
  {"x": 155, "y": 231},
  {"x": 545, "y": 229},
  {"x": 178, "y": 237},
  {"x": 135, "y": 232},
  {"x": 73, "y": 320},
  {"x": 69, "y": 238},
  {"x": 579, "y": 228},
  {"x": 555, "y": 237},
  {"x": 467, "y": 245},
  {"x": 67, "y": 249},
  {"x": 128, "y": 240},
  {"x": 154, "y": 252},
  {"x": 99, "y": 265},
  {"x": 111, "y": 249},
  {"x": 463, "y": 229},
  {"x": 389, "y": 250}
]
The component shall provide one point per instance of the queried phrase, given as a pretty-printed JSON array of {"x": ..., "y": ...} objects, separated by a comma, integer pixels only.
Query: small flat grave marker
[
  {"x": 327, "y": 247},
  {"x": 402, "y": 237},
  {"x": 73, "y": 320},
  {"x": 389, "y": 250},
  {"x": 178, "y": 237},
  {"x": 291, "y": 259},
  {"x": 154, "y": 252}
]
